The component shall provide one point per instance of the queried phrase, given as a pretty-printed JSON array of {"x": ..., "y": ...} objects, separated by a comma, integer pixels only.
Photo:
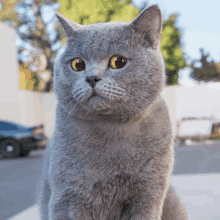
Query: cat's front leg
[
  {"x": 143, "y": 212},
  {"x": 150, "y": 210},
  {"x": 148, "y": 204}
]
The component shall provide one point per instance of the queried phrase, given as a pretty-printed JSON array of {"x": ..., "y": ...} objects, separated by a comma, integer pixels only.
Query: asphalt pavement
[
  {"x": 18, "y": 183},
  {"x": 19, "y": 177},
  {"x": 197, "y": 159}
]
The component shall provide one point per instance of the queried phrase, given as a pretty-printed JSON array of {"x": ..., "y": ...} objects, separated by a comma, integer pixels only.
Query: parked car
[{"x": 18, "y": 140}]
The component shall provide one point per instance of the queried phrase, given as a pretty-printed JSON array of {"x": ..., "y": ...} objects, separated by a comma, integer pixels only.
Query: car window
[{"x": 7, "y": 127}]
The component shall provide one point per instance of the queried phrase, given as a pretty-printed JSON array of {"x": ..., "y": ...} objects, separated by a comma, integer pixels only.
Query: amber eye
[
  {"x": 78, "y": 64},
  {"x": 117, "y": 62}
]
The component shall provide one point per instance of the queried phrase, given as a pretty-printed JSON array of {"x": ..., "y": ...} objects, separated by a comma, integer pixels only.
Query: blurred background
[{"x": 31, "y": 38}]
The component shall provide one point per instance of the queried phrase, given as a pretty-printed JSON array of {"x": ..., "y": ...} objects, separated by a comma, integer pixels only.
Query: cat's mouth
[
  {"x": 97, "y": 102},
  {"x": 94, "y": 94}
]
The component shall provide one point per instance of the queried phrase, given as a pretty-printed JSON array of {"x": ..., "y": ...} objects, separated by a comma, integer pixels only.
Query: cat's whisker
[
  {"x": 77, "y": 94},
  {"x": 119, "y": 89},
  {"x": 148, "y": 109},
  {"x": 129, "y": 101},
  {"x": 145, "y": 107},
  {"x": 149, "y": 112},
  {"x": 81, "y": 95},
  {"x": 65, "y": 107},
  {"x": 68, "y": 100},
  {"x": 153, "y": 113},
  {"x": 113, "y": 92},
  {"x": 110, "y": 95},
  {"x": 66, "y": 118},
  {"x": 141, "y": 105},
  {"x": 70, "y": 112},
  {"x": 106, "y": 105},
  {"x": 77, "y": 89},
  {"x": 132, "y": 114}
]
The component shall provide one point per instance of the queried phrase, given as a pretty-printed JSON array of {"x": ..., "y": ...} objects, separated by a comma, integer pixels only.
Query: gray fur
[{"x": 111, "y": 156}]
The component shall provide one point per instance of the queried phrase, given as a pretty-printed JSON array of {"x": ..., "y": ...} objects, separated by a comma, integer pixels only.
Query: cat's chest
[
  {"x": 116, "y": 165},
  {"x": 115, "y": 154},
  {"x": 111, "y": 194},
  {"x": 109, "y": 151}
]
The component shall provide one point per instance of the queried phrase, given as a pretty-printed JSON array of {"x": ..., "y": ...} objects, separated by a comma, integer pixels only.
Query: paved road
[
  {"x": 19, "y": 177},
  {"x": 197, "y": 159},
  {"x": 18, "y": 183}
]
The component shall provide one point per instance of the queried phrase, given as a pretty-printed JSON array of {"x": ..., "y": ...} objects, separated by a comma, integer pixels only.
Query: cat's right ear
[
  {"x": 149, "y": 24},
  {"x": 68, "y": 25}
]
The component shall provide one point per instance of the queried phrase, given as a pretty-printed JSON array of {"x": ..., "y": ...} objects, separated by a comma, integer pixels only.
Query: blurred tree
[
  {"x": 171, "y": 49},
  {"x": 26, "y": 80},
  {"x": 7, "y": 11},
  {"x": 28, "y": 18},
  {"x": 209, "y": 71},
  {"x": 93, "y": 11}
]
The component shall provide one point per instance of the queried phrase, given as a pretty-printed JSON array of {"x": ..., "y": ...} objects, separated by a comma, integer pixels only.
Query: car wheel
[
  {"x": 24, "y": 153},
  {"x": 9, "y": 148}
]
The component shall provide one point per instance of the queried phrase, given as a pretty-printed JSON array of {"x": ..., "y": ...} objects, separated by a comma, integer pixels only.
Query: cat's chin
[{"x": 98, "y": 104}]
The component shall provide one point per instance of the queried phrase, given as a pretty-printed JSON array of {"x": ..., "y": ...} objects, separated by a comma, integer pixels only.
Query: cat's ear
[
  {"x": 68, "y": 25},
  {"x": 149, "y": 23}
]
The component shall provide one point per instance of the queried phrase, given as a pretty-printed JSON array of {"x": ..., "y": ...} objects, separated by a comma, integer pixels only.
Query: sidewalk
[{"x": 200, "y": 194}]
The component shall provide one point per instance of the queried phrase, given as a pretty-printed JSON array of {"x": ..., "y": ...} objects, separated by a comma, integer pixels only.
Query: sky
[{"x": 199, "y": 22}]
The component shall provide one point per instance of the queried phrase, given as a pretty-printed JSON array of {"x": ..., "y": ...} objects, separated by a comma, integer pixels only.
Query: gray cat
[{"x": 111, "y": 154}]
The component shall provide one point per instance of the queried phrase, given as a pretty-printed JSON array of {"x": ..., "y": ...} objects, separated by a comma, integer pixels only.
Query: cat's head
[{"x": 110, "y": 71}]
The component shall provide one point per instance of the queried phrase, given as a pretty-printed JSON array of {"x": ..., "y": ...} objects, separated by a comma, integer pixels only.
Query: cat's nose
[{"x": 92, "y": 80}]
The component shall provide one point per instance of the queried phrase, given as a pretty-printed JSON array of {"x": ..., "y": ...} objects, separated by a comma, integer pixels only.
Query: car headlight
[{"x": 38, "y": 131}]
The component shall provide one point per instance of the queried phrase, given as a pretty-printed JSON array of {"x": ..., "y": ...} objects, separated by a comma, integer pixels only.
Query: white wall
[
  {"x": 169, "y": 96},
  {"x": 200, "y": 100},
  {"x": 49, "y": 102},
  {"x": 8, "y": 64}
]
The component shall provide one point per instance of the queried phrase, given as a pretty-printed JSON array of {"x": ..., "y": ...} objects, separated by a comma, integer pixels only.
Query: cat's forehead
[
  {"x": 99, "y": 38},
  {"x": 102, "y": 31}
]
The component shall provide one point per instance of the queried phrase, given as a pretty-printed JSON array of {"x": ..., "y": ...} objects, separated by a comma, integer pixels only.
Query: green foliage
[
  {"x": 93, "y": 11},
  {"x": 7, "y": 11},
  {"x": 209, "y": 71},
  {"x": 171, "y": 50},
  {"x": 35, "y": 77}
]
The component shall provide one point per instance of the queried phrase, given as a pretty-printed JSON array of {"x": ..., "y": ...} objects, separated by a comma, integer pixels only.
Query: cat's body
[{"x": 111, "y": 155}]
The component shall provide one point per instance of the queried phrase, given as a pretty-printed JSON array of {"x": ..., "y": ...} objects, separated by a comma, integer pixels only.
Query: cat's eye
[
  {"x": 117, "y": 62},
  {"x": 78, "y": 64}
]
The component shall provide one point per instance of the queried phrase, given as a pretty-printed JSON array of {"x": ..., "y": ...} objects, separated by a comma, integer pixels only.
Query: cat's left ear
[
  {"x": 149, "y": 23},
  {"x": 68, "y": 25}
]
